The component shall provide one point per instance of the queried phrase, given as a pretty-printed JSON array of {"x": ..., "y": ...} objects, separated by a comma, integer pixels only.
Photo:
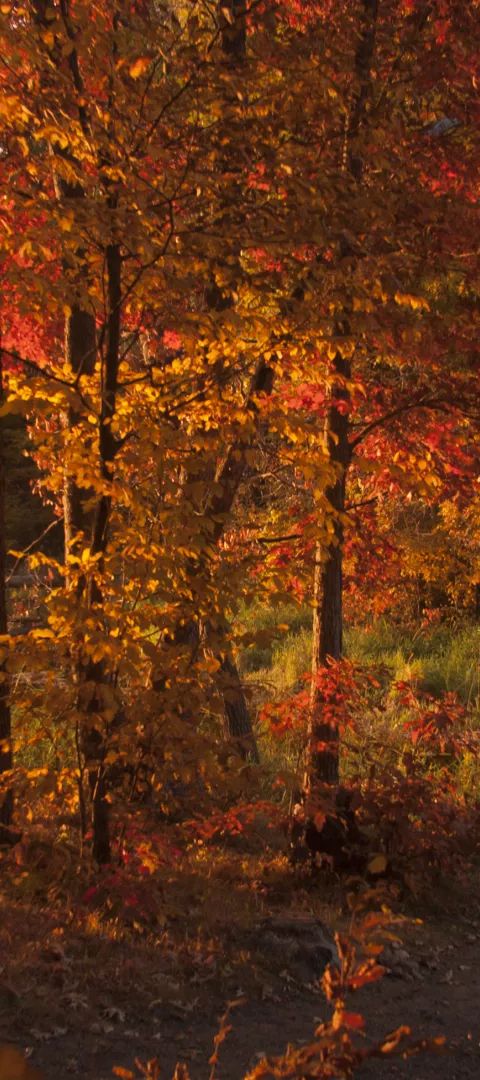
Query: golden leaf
[
  {"x": 378, "y": 864},
  {"x": 139, "y": 66}
]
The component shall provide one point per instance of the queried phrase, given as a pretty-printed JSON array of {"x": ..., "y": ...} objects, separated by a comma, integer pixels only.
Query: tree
[
  {"x": 384, "y": 264},
  {"x": 6, "y": 797},
  {"x": 123, "y": 158},
  {"x": 218, "y": 237}
]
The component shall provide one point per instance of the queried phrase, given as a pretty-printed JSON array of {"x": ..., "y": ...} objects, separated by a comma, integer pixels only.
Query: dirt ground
[{"x": 71, "y": 1020}]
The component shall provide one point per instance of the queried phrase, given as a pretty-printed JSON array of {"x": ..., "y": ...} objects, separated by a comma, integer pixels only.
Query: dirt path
[{"x": 434, "y": 987}]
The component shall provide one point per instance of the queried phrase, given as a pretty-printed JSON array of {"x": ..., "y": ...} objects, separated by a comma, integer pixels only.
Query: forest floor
[{"x": 79, "y": 1001}]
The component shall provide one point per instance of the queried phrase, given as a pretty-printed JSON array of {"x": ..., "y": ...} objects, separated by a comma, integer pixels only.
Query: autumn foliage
[{"x": 239, "y": 352}]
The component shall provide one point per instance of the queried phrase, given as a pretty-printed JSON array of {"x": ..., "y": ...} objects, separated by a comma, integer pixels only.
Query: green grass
[
  {"x": 273, "y": 626},
  {"x": 438, "y": 660}
]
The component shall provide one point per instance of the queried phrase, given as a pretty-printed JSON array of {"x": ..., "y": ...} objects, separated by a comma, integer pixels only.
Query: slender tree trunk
[
  {"x": 237, "y": 718},
  {"x": 323, "y": 739},
  {"x": 80, "y": 355},
  {"x": 217, "y": 511},
  {"x": 238, "y": 723},
  {"x": 79, "y": 328},
  {"x": 327, "y": 644},
  {"x": 6, "y": 797},
  {"x": 93, "y": 678},
  {"x": 230, "y": 472}
]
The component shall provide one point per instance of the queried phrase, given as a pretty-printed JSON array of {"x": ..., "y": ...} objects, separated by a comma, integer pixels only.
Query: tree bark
[
  {"x": 327, "y": 644},
  {"x": 6, "y": 797},
  {"x": 94, "y": 739},
  {"x": 323, "y": 740},
  {"x": 79, "y": 328},
  {"x": 229, "y": 473},
  {"x": 238, "y": 721},
  {"x": 80, "y": 355}
]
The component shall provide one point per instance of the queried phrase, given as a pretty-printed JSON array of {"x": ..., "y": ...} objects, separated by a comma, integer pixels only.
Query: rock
[
  {"x": 399, "y": 963},
  {"x": 300, "y": 945}
]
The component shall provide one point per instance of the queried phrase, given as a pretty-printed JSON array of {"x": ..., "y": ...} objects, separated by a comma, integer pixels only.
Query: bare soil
[{"x": 77, "y": 1004}]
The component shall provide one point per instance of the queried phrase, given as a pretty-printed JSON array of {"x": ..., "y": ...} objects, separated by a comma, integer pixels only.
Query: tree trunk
[
  {"x": 6, "y": 797},
  {"x": 80, "y": 355},
  {"x": 94, "y": 739},
  {"x": 229, "y": 473},
  {"x": 327, "y": 644},
  {"x": 323, "y": 740},
  {"x": 238, "y": 721},
  {"x": 79, "y": 328}
]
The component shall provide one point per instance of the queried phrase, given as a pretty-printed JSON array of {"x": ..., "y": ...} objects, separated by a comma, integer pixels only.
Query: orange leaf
[
  {"x": 378, "y": 864},
  {"x": 351, "y": 1020},
  {"x": 139, "y": 66}
]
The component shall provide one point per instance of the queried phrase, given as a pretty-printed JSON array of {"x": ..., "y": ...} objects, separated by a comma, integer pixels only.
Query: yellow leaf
[
  {"x": 378, "y": 864},
  {"x": 139, "y": 66}
]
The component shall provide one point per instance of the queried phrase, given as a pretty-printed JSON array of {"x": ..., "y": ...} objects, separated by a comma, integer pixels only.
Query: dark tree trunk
[
  {"x": 80, "y": 355},
  {"x": 323, "y": 741},
  {"x": 238, "y": 723},
  {"x": 6, "y": 797},
  {"x": 94, "y": 739},
  {"x": 79, "y": 329},
  {"x": 323, "y": 758},
  {"x": 237, "y": 718}
]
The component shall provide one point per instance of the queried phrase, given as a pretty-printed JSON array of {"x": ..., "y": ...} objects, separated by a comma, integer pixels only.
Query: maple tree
[
  {"x": 89, "y": 189},
  {"x": 397, "y": 390},
  {"x": 239, "y": 340},
  {"x": 6, "y": 802},
  {"x": 219, "y": 240}
]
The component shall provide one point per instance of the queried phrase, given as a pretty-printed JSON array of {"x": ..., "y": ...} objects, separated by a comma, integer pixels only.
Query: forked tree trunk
[
  {"x": 230, "y": 472},
  {"x": 79, "y": 328}
]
